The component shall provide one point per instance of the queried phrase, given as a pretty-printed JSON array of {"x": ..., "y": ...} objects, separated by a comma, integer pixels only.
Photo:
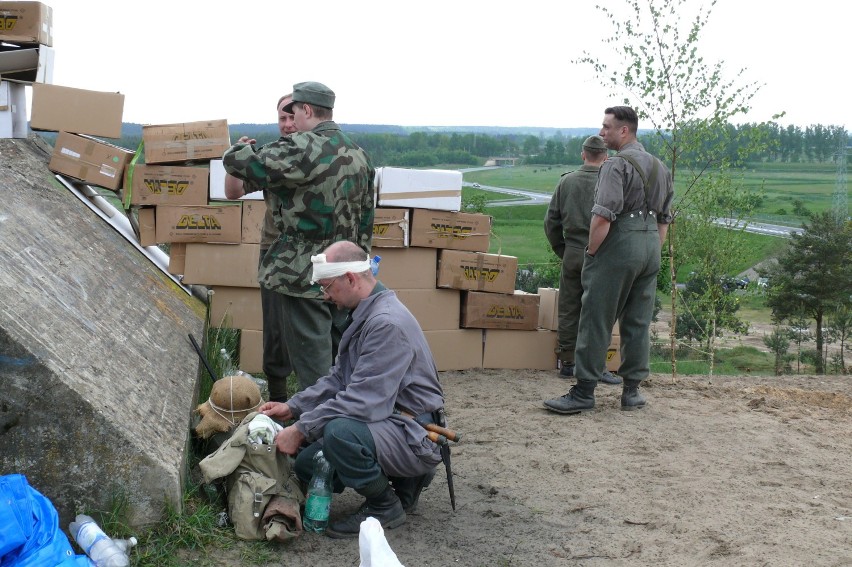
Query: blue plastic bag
[{"x": 29, "y": 529}]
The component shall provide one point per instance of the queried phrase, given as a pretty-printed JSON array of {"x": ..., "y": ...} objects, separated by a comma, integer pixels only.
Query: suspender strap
[{"x": 646, "y": 182}]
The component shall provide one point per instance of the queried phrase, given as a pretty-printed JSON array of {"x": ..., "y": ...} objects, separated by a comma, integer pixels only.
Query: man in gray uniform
[
  {"x": 566, "y": 225},
  {"x": 354, "y": 414},
  {"x": 632, "y": 212}
]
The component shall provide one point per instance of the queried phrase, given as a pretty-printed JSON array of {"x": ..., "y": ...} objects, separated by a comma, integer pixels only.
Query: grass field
[
  {"x": 781, "y": 183},
  {"x": 518, "y": 230}
]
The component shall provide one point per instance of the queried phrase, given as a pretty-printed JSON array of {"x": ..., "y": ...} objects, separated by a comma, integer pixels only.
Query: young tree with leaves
[
  {"x": 813, "y": 275},
  {"x": 685, "y": 99}
]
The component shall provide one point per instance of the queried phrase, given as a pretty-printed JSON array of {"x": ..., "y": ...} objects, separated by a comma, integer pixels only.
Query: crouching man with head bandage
[{"x": 358, "y": 414}]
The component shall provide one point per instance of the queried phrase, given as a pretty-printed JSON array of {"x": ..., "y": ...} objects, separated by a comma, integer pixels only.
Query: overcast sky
[{"x": 435, "y": 63}]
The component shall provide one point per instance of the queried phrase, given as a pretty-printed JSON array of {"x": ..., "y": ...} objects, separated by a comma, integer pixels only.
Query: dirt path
[{"x": 733, "y": 471}]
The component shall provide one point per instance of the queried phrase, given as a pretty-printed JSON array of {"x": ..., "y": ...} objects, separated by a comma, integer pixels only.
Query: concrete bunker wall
[{"x": 97, "y": 376}]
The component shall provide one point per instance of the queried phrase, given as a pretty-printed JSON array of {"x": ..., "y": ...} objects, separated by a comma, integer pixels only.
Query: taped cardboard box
[
  {"x": 219, "y": 264},
  {"x": 534, "y": 350},
  {"x": 236, "y": 308},
  {"x": 65, "y": 109},
  {"x": 459, "y": 349},
  {"x": 483, "y": 310},
  {"x": 217, "y": 184},
  {"x": 26, "y": 65},
  {"x": 408, "y": 268},
  {"x": 26, "y": 22},
  {"x": 418, "y": 188},
  {"x": 221, "y": 224},
  {"x": 548, "y": 308},
  {"x": 147, "y": 219},
  {"x": 477, "y": 271},
  {"x": 434, "y": 309},
  {"x": 446, "y": 229},
  {"x": 390, "y": 228},
  {"x": 251, "y": 351},
  {"x": 166, "y": 185},
  {"x": 254, "y": 213},
  {"x": 177, "y": 258},
  {"x": 90, "y": 160},
  {"x": 186, "y": 141}
]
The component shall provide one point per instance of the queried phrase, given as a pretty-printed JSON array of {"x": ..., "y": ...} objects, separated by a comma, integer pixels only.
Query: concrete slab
[{"x": 97, "y": 376}]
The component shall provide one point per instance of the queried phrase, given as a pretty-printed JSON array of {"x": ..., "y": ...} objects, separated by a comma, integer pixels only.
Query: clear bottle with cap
[
  {"x": 100, "y": 548},
  {"x": 226, "y": 365},
  {"x": 318, "y": 501}
]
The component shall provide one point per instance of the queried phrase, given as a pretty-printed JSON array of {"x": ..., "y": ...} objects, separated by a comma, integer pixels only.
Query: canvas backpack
[{"x": 263, "y": 493}]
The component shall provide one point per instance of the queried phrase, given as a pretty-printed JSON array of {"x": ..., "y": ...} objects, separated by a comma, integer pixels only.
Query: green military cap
[
  {"x": 594, "y": 143},
  {"x": 312, "y": 93}
]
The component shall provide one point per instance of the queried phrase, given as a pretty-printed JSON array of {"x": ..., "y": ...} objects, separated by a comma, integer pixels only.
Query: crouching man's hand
[{"x": 289, "y": 440}]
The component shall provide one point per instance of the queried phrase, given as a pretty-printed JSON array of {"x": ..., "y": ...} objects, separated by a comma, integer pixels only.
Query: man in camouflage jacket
[{"x": 324, "y": 185}]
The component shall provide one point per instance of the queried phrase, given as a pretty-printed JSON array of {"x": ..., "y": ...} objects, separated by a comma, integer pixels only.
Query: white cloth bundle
[{"x": 262, "y": 429}]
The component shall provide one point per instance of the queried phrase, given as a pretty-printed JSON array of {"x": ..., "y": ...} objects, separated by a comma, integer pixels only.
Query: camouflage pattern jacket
[{"x": 324, "y": 185}]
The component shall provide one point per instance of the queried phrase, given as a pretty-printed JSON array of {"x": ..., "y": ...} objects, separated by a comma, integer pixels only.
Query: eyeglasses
[{"x": 325, "y": 288}]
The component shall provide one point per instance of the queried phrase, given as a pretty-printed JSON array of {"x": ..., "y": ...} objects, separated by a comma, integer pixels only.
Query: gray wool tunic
[{"x": 383, "y": 363}]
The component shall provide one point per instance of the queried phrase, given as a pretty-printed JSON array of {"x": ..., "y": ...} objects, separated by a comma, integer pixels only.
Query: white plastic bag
[{"x": 375, "y": 550}]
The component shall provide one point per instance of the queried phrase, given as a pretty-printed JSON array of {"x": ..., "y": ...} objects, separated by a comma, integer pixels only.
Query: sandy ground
[{"x": 728, "y": 471}]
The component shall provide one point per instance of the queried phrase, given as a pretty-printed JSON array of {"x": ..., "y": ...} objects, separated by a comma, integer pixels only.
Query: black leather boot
[
  {"x": 631, "y": 398},
  {"x": 408, "y": 489},
  {"x": 581, "y": 397},
  {"x": 384, "y": 506}
]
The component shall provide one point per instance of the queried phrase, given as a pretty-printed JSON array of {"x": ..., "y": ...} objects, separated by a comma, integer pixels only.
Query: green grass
[{"x": 735, "y": 361}]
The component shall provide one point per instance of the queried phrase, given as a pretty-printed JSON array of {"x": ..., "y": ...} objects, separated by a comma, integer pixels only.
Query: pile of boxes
[
  {"x": 26, "y": 58},
  {"x": 435, "y": 257}
]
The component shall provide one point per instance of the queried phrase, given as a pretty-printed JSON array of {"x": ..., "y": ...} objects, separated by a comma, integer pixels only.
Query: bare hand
[
  {"x": 247, "y": 140},
  {"x": 289, "y": 440},
  {"x": 278, "y": 410}
]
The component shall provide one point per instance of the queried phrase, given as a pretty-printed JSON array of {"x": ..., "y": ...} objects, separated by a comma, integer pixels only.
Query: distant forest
[{"x": 428, "y": 146}]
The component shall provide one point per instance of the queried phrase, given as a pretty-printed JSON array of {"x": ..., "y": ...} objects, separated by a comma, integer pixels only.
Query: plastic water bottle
[
  {"x": 96, "y": 544},
  {"x": 374, "y": 265},
  {"x": 227, "y": 367},
  {"x": 318, "y": 502},
  {"x": 262, "y": 384},
  {"x": 125, "y": 545}
]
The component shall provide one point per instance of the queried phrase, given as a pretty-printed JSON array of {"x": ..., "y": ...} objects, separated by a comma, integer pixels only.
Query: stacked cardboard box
[
  {"x": 436, "y": 259},
  {"x": 26, "y": 57}
]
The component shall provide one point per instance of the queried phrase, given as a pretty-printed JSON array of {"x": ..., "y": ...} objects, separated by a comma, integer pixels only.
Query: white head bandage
[{"x": 323, "y": 269}]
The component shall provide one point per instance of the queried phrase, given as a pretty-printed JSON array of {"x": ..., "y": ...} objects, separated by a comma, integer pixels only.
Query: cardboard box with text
[
  {"x": 477, "y": 271},
  {"x": 26, "y": 22},
  {"x": 221, "y": 224},
  {"x": 185, "y": 141},
  {"x": 166, "y": 185},
  {"x": 446, "y": 229},
  {"x": 483, "y": 310}
]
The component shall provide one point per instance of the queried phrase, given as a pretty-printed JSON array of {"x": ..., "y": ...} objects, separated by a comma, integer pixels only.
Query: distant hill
[{"x": 131, "y": 129}]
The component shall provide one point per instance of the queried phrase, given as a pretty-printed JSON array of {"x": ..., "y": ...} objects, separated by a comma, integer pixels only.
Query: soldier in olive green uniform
[
  {"x": 324, "y": 184},
  {"x": 632, "y": 212},
  {"x": 566, "y": 225}
]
